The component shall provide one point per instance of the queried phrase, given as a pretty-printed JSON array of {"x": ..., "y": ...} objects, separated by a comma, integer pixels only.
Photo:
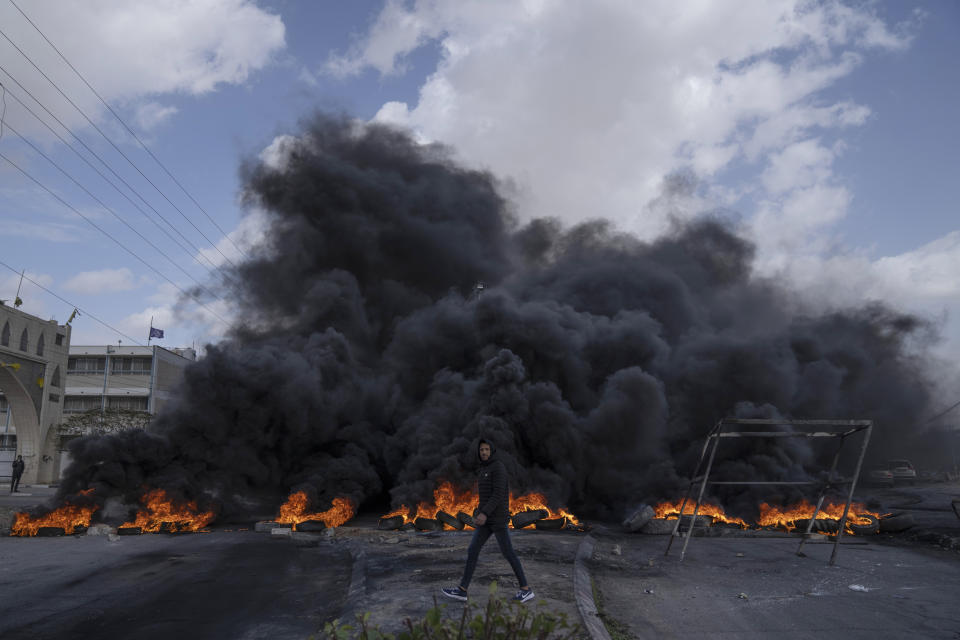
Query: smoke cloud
[{"x": 366, "y": 361}]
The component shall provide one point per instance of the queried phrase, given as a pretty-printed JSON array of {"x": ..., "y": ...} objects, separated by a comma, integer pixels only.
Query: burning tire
[
  {"x": 465, "y": 518},
  {"x": 527, "y": 518},
  {"x": 824, "y": 525},
  {"x": 311, "y": 525},
  {"x": 49, "y": 532},
  {"x": 658, "y": 527},
  {"x": 407, "y": 527},
  {"x": 389, "y": 524},
  {"x": 427, "y": 524},
  {"x": 129, "y": 531},
  {"x": 866, "y": 529},
  {"x": 446, "y": 518},
  {"x": 702, "y": 521},
  {"x": 896, "y": 522},
  {"x": 550, "y": 525}
]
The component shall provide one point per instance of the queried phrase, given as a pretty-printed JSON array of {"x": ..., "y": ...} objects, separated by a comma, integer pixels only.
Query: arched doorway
[{"x": 27, "y": 417}]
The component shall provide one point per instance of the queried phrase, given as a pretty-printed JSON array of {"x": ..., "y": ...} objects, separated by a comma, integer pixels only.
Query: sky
[{"x": 825, "y": 131}]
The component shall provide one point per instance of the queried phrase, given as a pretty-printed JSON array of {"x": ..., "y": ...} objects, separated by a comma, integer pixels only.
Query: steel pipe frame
[{"x": 717, "y": 432}]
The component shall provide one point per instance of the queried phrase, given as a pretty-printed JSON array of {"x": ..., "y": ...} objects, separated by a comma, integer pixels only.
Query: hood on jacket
[{"x": 493, "y": 451}]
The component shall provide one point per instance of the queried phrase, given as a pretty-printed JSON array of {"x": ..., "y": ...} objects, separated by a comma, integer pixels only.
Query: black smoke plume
[{"x": 366, "y": 361}]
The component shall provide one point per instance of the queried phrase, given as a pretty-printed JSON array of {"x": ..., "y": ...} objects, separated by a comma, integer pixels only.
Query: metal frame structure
[{"x": 807, "y": 429}]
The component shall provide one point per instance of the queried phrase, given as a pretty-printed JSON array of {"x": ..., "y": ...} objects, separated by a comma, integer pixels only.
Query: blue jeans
[{"x": 480, "y": 537}]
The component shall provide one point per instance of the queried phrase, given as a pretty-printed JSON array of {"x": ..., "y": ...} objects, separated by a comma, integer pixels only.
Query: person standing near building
[
  {"x": 491, "y": 519},
  {"x": 18, "y": 467}
]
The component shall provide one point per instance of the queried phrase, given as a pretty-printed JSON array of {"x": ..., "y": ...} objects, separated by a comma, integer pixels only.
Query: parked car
[
  {"x": 878, "y": 477},
  {"x": 903, "y": 471},
  {"x": 931, "y": 475}
]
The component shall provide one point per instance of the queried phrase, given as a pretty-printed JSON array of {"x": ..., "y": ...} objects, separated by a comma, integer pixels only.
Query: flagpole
[
  {"x": 17, "y": 301},
  {"x": 150, "y": 333}
]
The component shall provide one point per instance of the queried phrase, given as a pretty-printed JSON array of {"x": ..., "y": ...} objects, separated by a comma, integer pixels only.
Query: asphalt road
[
  {"x": 253, "y": 585},
  {"x": 235, "y": 585}
]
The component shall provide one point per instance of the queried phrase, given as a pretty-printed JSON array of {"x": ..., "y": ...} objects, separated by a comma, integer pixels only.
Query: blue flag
[{"x": 156, "y": 333}]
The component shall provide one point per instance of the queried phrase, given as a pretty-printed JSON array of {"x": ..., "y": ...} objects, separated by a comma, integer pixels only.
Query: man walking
[
  {"x": 18, "y": 466},
  {"x": 491, "y": 520}
]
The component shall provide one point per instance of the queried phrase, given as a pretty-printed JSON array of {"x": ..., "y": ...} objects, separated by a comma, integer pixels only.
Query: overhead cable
[
  {"x": 83, "y": 311},
  {"x": 197, "y": 251},
  {"x": 114, "y": 145},
  {"x": 129, "y": 130},
  {"x": 104, "y": 232},
  {"x": 111, "y": 211}
]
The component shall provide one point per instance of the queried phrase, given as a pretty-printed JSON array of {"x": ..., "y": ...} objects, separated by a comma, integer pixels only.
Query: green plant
[{"x": 498, "y": 620}]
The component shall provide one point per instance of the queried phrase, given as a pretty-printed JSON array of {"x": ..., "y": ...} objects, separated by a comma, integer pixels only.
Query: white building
[
  {"x": 121, "y": 377},
  {"x": 33, "y": 363}
]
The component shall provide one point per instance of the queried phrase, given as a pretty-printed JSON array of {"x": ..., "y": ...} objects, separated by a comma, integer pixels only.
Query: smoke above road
[{"x": 365, "y": 361}]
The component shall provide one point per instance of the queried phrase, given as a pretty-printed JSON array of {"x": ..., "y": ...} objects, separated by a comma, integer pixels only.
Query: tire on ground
[
  {"x": 527, "y": 518},
  {"x": 391, "y": 523},
  {"x": 659, "y": 527},
  {"x": 896, "y": 522},
  {"x": 866, "y": 529},
  {"x": 640, "y": 517},
  {"x": 552, "y": 524},
  {"x": 428, "y": 524},
  {"x": 448, "y": 519}
]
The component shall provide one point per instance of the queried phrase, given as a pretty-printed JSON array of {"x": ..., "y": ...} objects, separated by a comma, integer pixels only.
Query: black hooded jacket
[{"x": 492, "y": 487}]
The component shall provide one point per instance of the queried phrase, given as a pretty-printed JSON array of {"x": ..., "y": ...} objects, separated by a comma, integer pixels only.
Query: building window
[
  {"x": 40, "y": 345},
  {"x": 54, "y": 397},
  {"x": 58, "y": 340},
  {"x": 55, "y": 380},
  {"x": 24, "y": 339},
  {"x": 86, "y": 366},
  {"x": 131, "y": 403},
  {"x": 134, "y": 366},
  {"x": 5, "y": 336},
  {"x": 79, "y": 404}
]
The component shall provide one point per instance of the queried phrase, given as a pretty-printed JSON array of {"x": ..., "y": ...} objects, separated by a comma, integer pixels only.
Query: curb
[{"x": 583, "y": 592}]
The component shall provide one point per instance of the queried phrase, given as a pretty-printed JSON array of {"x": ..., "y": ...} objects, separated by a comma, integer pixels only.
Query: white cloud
[
  {"x": 251, "y": 230},
  {"x": 801, "y": 164},
  {"x": 922, "y": 281},
  {"x": 152, "y": 114},
  {"x": 132, "y": 52},
  {"x": 587, "y": 106},
  {"x": 275, "y": 154},
  {"x": 102, "y": 281}
]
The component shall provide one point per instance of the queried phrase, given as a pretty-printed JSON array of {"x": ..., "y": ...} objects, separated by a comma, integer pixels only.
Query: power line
[
  {"x": 114, "y": 145},
  {"x": 104, "y": 232},
  {"x": 109, "y": 168},
  {"x": 129, "y": 130},
  {"x": 944, "y": 412},
  {"x": 83, "y": 311},
  {"x": 111, "y": 211},
  {"x": 197, "y": 251}
]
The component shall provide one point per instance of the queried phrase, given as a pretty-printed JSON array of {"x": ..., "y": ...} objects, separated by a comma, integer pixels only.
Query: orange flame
[
  {"x": 787, "y": 516},
  {"x": 772, "y": 516},
  {"x": 68, "y": 516},
  {"x": 671, "y": 511},
  {"x": 449, "y": 499},
  {"x": 294, "y": 511},
  {"x": 161, "y": 509}
]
